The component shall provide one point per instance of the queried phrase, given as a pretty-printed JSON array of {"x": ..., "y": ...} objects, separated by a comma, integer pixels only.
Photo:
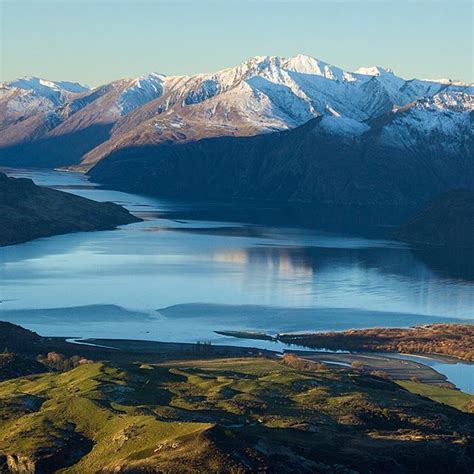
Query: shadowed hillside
[
  {"x": 306, "y": 165},
  {"x": 448, "y": 221},
  {"x": 28, "y": 211}
]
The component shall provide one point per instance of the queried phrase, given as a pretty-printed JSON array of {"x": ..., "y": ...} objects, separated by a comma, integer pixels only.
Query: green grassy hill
[
  {"x": 226, "y": 415},
  {"x": 455, "y": 398}
]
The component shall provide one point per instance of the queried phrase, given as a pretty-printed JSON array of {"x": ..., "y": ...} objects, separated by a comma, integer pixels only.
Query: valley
[
  {"x": 141, "y": 281},
  {"x": 262, "y": 221},
  {"x": 236, "y": 237}
]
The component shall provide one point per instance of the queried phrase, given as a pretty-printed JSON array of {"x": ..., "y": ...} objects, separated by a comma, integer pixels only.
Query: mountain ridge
[
  {"x": 391, "y": 163},
  {"x": 261, "y": 95}
]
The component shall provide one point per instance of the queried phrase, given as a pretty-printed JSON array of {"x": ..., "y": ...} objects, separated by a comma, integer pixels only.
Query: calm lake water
[{"x": 178, "y": 277}]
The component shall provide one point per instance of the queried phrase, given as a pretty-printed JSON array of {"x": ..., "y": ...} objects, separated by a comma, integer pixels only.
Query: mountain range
[{"x": 338, "y": 134}]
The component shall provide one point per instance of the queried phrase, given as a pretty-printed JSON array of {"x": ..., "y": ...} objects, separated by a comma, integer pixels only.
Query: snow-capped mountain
[
  {"x": 46, "y": 88},
  {"x": 396, "y": 162},
  {"x": 30, "y": 107},
  {"x": 261, "y": 95},
  {"x": 36, "y": 112}
]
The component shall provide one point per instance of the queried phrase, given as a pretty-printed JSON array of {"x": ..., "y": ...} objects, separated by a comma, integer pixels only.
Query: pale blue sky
[{"x": 95, "y": 41}]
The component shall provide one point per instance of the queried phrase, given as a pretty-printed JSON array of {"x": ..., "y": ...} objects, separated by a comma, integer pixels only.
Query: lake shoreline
[
  {"x": 395, "y": 368},
  {"x": 251, "y": 268}
]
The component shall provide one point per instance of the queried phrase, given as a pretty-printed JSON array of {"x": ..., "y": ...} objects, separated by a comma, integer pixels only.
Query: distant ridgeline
[
  {"x": 28, "y": 211},
  {"x": 362, "y": 137},
  {"x": 306, "y": 165}
]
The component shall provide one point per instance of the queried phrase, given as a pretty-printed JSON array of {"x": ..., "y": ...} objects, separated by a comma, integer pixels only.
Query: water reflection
[
  {"x": 251, "y": 266},
  {"x": 354, "y": 277},
  {"x": 163, "y": 262}
]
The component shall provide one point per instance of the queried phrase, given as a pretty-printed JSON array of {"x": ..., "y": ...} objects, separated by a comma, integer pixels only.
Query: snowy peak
[
  {"x": 374, "y": 71},
  {"x": 308, "y": 65},
  {"x": 260, "y": 95},
  {"x": 44, "y": 87},
  {"x": 37, "y": 93},
  {"x": 150, "y": 80},
  {"x": 276, "y": 66},
  {"x": 139, "y": 91},
  {"x": 303, "y": 64}
]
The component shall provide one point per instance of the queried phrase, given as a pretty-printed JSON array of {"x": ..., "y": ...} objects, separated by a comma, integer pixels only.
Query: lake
[{"x": 193, "y": 268}]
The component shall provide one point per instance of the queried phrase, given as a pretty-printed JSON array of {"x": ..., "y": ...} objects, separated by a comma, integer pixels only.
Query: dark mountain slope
[
  {"x": 447, "y": 221},
  {"x": 28, "y": 211},
  {"x": 308, "y": 164},
  {"x": 53, "y": 151},
  {"x": 15, "y": 337}
]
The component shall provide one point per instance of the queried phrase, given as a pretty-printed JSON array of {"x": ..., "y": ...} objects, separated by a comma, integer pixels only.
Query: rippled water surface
[{"x": 206, "y": 275}]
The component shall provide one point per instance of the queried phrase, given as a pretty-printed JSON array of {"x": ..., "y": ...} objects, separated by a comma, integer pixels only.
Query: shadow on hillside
[{"x": 56, "y": 151}]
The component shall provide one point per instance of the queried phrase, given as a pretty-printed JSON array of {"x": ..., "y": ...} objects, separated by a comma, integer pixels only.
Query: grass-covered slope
[
  {"x": 14, "y": 365},
  {"x": 225, "y": 415},
  {"x": 28, "y": 211},
  {"x": 455, "y": 398}
]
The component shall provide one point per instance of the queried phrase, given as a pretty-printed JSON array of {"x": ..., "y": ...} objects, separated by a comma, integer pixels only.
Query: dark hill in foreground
[
  {"x": 16, "y": 337},
  {"x": 447, "y": 221},
  {"x": 28, "y": 211}
]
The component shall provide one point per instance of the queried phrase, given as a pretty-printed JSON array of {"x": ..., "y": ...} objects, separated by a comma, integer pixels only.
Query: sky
[{"x": 96, "y": 41}]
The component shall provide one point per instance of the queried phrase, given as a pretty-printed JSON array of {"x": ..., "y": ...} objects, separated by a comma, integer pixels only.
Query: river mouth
[{"x": 189, "y": 270}]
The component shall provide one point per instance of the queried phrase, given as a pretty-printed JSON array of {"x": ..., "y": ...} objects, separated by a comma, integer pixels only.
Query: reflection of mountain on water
[
  {"x": 280, "y": 260},
  {"x": 314, "y": 260},
  {"x": 371, "y": 277},
  {"x": 366, "y": 221},
  {"x": 357, "y": 220},
  {"x": 404, "y": 262}
]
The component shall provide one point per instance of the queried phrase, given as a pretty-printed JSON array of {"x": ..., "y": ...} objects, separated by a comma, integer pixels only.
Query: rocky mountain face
[
  {"x": 447, "y": 221},
  {"x": 28, "y": 211},
  {"x": 62, "y": 124}
]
